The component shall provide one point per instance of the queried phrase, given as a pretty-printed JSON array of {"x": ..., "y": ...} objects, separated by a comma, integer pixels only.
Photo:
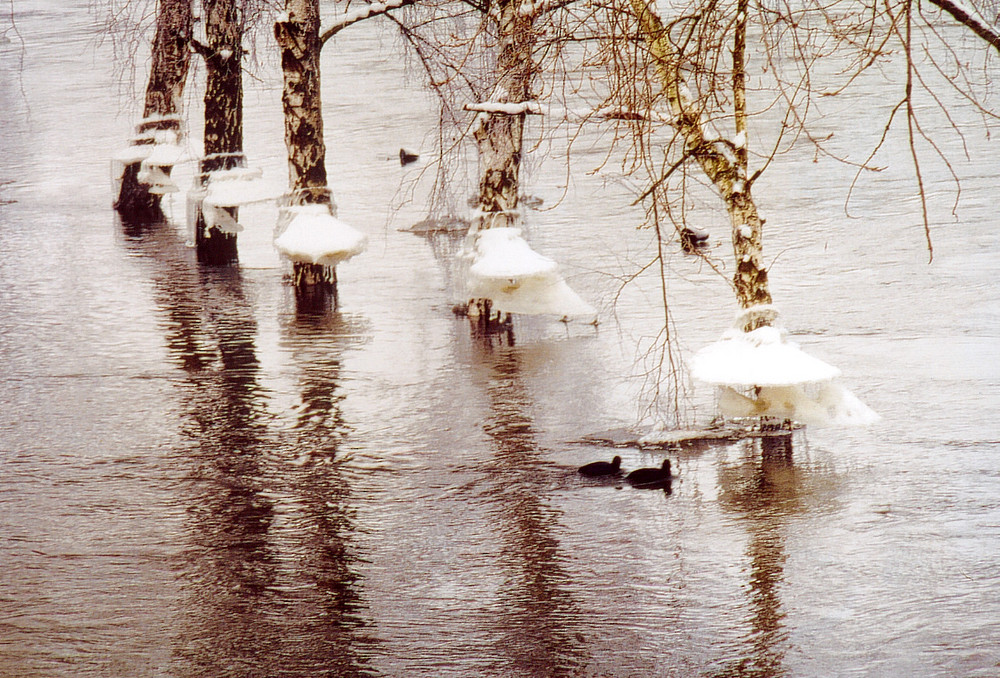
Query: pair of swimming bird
[{"x": 641, "y": 477}]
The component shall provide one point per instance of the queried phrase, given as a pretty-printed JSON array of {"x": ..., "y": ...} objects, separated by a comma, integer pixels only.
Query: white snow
[
  {"x": 763, "y": 357},
  {"x": 219, "y": 218},
  {"x": 777, "y": 379},
  {"x": 159, "y": 182},
  {"x": 154, "y": 149},
  {"x": 239, "y": 186},
  {"x": 314, "y": 236},
  {"x": 131, "y": 154},
  {"x": 502, "y": 253},
  {"x": 516, "y": 279},
  {"x": 740, "y": 141},
  {"x": 506, "y": 108},
  {"x": 360, "y": 13},
  {"x": 745, "y": 231},
  {"x": 166, "y": 155}
]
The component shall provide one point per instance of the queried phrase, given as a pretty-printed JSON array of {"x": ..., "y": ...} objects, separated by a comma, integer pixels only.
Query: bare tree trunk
[
  {"x": 729, "y": 177},
  {"x": 499, "y": 136},
  {"x": 299, "y": 40},
  {"x": 164, "y": 102},
  {"x": 223, "y": 114}
]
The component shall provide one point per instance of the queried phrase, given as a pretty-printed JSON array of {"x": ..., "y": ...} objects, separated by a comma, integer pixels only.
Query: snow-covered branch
[
  {"x": 506, "y": 108},
  {"x": 968, "y": 18},
  {"x": 360, "y": 14}
]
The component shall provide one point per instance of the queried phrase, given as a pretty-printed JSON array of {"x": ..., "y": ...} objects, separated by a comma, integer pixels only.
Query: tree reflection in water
[
  {"x": 764, "y": 488},
  {"x": 534, "y": 613},
  {"x": 268, "y": 568}
]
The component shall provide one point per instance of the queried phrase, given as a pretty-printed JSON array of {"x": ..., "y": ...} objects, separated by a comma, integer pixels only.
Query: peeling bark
[{"x": 729, "y": 176}]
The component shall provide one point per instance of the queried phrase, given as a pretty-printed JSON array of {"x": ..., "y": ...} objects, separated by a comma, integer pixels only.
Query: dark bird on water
[
  {"x": 650, "y": 477},
  {"x": 406, "y": 157},
  {"x": 602, "y": 468}
]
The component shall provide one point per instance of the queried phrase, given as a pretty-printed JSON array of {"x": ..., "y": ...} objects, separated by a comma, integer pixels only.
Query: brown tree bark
[
  {"x": 300, "y": 44},
  {"x": 163, "y": 103},
  {"x": 223, "y": 140},
  {"x": 499, "y": 137}
]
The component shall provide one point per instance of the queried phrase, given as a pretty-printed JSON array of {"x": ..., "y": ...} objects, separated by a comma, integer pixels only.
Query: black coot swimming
[
  {"x": 650, "y": 477},
  {"x": 602, "y": 468}
]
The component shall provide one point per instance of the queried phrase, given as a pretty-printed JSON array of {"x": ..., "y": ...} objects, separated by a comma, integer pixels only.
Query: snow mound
[
  {"x": 502, "y": 253},
  {"x": 516, "y": 279},
  {"x": 314, "y": 236},
  {"x": 763, "y": 357}
]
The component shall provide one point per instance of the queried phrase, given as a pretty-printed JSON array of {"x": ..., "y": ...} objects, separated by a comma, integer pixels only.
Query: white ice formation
[
  {"x": 310, "y": 234},
  {"x": 516, "y": 279},
  {"x": 239, "y": 186},
  {"x": 156, "y": 150},
  {"x": 214, "y": 191},
  {"x": 777, "y": 379}
]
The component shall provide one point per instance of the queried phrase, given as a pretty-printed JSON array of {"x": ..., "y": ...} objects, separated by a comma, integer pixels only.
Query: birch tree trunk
[
  {"x": 499, "y": 136},
  {"x": 163, "y": 104},
  {"x": 223, "y": 138},
  {"x": 300, "y": 44},
  {"x": 729, "y": 176}
]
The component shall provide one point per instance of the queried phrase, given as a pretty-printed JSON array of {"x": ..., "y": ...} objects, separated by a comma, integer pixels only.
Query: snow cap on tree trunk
[
  {"x": 516, "y": 279},
  {"x": 314, "y": 236},
  {"x": 763, "y": 357},
  {"x": 777, "y": 377}
]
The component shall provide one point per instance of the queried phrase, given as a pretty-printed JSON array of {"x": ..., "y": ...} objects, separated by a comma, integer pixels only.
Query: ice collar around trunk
[
  {"x": 516, "y": 279},
  {"x": 778, "y": 380},
  {"x": 314, "y": 236},
  {"x": 763, "y": 357}
]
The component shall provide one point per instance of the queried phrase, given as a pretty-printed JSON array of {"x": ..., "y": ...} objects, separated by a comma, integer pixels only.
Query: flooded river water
[{"x": 197, "y": 480}]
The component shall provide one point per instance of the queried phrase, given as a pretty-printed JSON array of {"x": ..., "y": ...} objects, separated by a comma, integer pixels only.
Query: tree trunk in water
[
  {"x": 299, "y": 41},
  {"x": 164, "y": 102},
  {"x": 729, "y": 178},
  {"x": 223, "y": 115},
  {"x": 499, "y": 136}
]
